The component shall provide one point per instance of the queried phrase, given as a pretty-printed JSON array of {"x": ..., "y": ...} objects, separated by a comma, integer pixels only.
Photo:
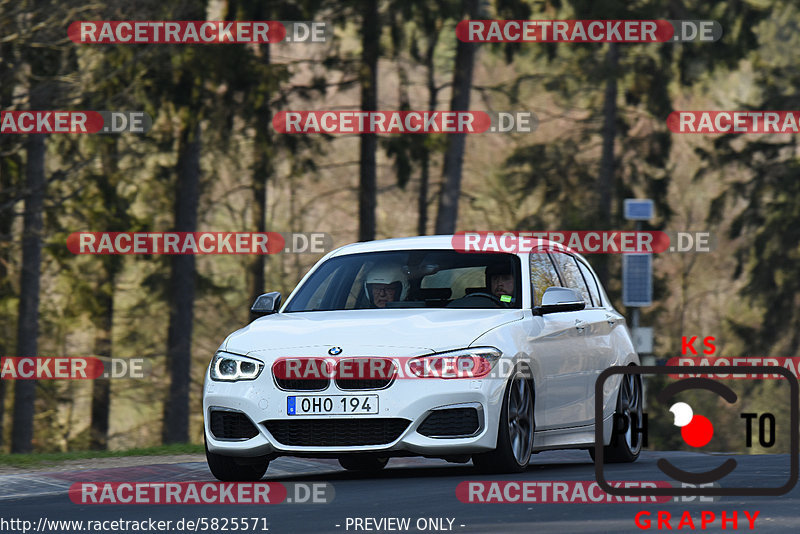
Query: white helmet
[{"x": 387, "y": 274}]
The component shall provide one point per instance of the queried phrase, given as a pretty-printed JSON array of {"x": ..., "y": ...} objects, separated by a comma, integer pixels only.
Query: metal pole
[{"x": 635, "y": 313}]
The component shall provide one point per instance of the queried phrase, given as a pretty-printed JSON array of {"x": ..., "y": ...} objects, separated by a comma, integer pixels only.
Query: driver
[
  {"x": 385, "y": 284},
  {"x": 500, "y": 281}
]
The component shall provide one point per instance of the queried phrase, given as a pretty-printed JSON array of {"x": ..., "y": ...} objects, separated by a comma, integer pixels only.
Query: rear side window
[
  {"x": 543, "y": 275},
  {"x": 594, "y": 289},
  {"x": 571, "y": 275}
]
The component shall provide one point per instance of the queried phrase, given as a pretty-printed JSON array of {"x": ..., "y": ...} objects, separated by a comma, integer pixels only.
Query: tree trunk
[
  {"x": 262, "y": 170},
  {"x": 424, "y": 179},
  {"x": 101, "y": 387},
  {"x": 367, "y": 190},
  {"x": 605, "y": 181},
  {"x": 422, "y": 200},
  {"x": 182, "y": 288},
  {"x": 5, "y": 287},
  {"x": 7, "y": 182},
  {"x": 447, "y": 216},
  {"x": 7, "y": 187},
  {"x": 103, "y": 320},
  {"x": 28, "y": 315}
]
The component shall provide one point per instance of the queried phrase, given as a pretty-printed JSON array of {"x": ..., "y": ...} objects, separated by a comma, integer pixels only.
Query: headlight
[
  {"x": 231, "y": 367},
  {"x": 465, "y": 363}
]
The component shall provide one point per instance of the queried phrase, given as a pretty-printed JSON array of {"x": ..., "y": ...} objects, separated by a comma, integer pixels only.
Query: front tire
[
  {"x": 515, "y": 432},
  {"x": 625, "y": 447},
  {"x": 231, "y": 469}
]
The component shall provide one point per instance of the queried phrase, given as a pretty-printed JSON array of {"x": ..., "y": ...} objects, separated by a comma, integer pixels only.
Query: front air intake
[
  {"x": 336, "y": 432},
  {"x": 450, "y": 423},
  {"x": 231, "y": 425}
]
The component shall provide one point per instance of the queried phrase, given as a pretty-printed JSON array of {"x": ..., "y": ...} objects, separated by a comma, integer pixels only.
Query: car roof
[{"x": 418, "y": 242}]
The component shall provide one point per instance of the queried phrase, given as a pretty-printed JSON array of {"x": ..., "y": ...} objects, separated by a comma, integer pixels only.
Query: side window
[
  {"x": 571, "y": 275},
  {"x": 329, "y": 294},
  {"x": 543, "y": 275},
  {"x": 315, "y": 301},
  {"x": 592, "y": 283},
  {"x": 357, "y": 290}
]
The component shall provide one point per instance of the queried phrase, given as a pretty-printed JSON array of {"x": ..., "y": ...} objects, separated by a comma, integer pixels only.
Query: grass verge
[{"x": 43, "y": 458}]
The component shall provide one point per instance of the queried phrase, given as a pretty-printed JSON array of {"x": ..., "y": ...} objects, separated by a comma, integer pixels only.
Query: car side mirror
[
  {"x": 265, "y": 304},
  {"x": 560, "y": 299}
]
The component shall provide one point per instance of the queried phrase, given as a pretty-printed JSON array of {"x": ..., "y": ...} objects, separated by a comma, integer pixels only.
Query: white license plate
[{"x": 332, "y": 405}]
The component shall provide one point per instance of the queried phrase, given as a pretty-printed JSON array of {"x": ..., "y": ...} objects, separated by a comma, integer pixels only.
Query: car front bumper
[{"x": 411, "y": 399}]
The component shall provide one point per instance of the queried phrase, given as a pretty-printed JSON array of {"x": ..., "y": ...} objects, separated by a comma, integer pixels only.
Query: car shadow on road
[{"x": 585, "y": 469}]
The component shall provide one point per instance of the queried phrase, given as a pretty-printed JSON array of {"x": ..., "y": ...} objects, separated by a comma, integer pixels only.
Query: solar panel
[
  {"x": 637, "y": 279},
  {"x": 638, "y": 209}
]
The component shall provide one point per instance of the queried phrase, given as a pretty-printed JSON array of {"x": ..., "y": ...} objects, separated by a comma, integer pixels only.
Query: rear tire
[
  {"x": 625, "y": 448},
  {"x": 515, "y": 432},
  {"x": 233, "y": 469},
  {"x": 368, "y": 463}
]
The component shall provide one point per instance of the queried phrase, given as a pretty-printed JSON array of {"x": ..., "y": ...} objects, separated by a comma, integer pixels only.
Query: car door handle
[
  {"x": 580, "y": 326},
  {"x": 611, "y": 320}
]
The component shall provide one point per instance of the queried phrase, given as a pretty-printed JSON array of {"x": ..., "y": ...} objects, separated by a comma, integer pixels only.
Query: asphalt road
[{"x": 420, "y": 490}]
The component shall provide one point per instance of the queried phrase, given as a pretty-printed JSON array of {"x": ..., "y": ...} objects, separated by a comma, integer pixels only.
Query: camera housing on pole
[{"x": 637, "y": 279}]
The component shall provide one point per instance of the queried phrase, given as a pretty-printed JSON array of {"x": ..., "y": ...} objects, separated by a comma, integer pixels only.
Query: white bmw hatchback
[{"x": 408, "y": 347}]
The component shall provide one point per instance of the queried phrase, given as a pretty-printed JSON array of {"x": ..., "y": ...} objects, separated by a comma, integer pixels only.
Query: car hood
[{"x": 413, "y": 329}]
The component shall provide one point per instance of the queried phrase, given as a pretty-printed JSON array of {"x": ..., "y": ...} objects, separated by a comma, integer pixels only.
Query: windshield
[{"x": 411, "y": 279}]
